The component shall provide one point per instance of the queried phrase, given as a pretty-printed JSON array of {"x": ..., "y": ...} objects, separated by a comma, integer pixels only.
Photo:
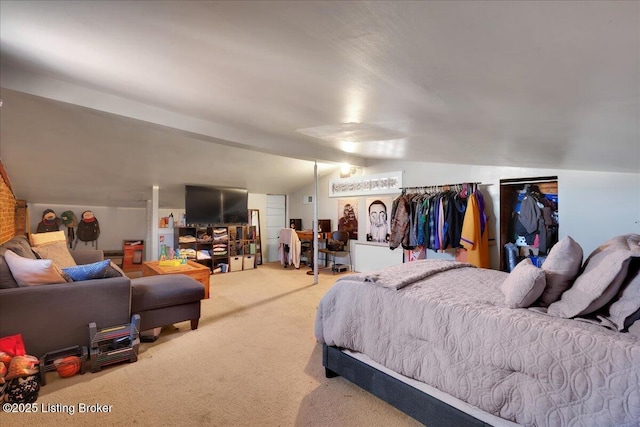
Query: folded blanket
[{"x": 399, "y": 276}]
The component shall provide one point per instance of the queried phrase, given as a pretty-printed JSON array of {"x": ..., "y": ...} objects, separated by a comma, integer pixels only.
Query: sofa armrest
[
  {"x": 88, "y": 256},
  {"x": 52, "y": 317}
]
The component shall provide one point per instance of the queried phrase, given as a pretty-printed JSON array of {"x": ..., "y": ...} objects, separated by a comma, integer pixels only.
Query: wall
[
  {"x": 7, "y": 211},
  {"x": 118, "y": 224},
  {"x": 13, "y": 213},
  {"x": 593, "y": 206}
]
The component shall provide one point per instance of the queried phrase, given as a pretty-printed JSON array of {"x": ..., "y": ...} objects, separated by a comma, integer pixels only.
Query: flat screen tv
[{"x": 205, "y": 206}]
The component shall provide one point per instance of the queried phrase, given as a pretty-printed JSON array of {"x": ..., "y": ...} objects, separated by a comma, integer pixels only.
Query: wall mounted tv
[{"x": 206, "y": 205}]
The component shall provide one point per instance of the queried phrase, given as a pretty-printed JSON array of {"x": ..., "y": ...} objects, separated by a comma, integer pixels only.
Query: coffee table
[{"x": 193, "y": 269}]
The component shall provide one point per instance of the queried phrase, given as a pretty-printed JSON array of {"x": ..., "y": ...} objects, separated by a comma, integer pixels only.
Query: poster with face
[
  {"x": 348, "y": 217},
  {"x": 378, "y": 219}
]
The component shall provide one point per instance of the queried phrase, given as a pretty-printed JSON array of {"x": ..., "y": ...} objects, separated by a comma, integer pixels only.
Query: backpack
[
  {"x": 88, "y": 227},
  {"x": 49, "y": 222}
]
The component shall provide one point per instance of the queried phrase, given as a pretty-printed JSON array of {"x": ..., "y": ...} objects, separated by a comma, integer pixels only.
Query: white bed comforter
[{"x": 452, "y": 331}]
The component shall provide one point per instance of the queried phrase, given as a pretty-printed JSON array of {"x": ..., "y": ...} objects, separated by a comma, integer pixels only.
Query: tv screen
[
  {"x": 216, "y": 205},
  {"x": 203, "y": 205},
  {"x": 235, "y": 206}
]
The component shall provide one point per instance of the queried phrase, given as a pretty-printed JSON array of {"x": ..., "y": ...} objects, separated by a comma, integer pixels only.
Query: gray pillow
[
  {"x": 600, "y": 281},
  {"x": 627, "y": 304},
  {"x": 561, "y": 268},
  {"x": 524, "y": 285}
]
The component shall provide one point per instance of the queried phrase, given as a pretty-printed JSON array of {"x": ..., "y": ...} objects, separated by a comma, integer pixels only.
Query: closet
[{"x": 528, "y": 219}]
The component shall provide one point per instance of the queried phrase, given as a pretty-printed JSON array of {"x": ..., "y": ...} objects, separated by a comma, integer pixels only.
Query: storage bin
[
  {"x": 249, "y": 262},
  {"x": 235, "y": 263}
]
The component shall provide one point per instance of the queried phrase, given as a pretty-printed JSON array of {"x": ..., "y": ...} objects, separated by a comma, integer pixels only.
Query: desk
[
  {"x": 307, "y": 235},
  {"x": 193, "y": 269}
]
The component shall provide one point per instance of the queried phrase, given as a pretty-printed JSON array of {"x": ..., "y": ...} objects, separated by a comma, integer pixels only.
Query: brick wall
[{"x": 13, "y": 213}]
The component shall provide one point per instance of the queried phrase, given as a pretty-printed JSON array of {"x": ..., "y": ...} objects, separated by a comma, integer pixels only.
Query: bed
[{"x": 451, "y": 344}]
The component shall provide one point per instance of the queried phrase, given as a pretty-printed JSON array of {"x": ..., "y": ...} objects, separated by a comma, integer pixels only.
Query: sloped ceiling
[{"x": 110, "y": 98}]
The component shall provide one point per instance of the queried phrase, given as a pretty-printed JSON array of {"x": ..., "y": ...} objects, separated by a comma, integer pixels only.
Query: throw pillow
[
  {"x": 95, "y": 270},
  {"x": 37, "y": 239},
  {"x": 32, "y": 272},
  {"x": 113, "y": 270},
  {"x": 596, "y": 286},
  {"x": 623, "y": 308},
  {"x": 524, "y": 285},
  {"x": 56, "y": 251},
  {"x": 561, "y": 268}
]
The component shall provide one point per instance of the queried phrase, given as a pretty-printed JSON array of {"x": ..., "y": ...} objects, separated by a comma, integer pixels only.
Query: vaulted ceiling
[{"x": 103, "y": 99}]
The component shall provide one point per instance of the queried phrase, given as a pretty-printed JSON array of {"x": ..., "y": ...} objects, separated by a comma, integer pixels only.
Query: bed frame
[{"x": 413, "y": 402}]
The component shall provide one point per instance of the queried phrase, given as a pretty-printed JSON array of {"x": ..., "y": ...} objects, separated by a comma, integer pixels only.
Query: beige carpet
[{"x": 253, "y": 361}]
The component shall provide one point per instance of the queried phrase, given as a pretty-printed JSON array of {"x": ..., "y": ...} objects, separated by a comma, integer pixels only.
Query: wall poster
[
  {"x": 378, "y": 210},
  {"x": 348, "y": 217}
]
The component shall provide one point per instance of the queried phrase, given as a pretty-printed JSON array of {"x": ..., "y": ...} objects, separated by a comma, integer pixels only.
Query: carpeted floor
[{"x": 253, "y": 361}]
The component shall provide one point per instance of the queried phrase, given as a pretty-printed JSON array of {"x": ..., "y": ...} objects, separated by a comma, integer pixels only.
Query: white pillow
[
  {"x": 52, "y": 236},
  {"x": 524, "y": 285},
  {"x": 32, "y": 272}
]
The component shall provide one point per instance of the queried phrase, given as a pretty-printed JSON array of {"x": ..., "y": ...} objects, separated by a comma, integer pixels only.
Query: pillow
[
  {"x": 561, "y": 268},
  {"x": 524, "y": 285},
  {"x": 56, "y": 251},
  {"x": 19, "y": 245},
  {"x": 600, "y": 281},
  {"x": 622, "y": 310},
  {"x": 32, "y": 272},
  {"x": 95, "y": 270},
  {"x": 37, "y": 239},
  {"x": 113, "y": 270}
]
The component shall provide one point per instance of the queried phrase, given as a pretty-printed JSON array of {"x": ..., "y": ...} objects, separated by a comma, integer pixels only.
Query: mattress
[{"x": 450, "y": 329}]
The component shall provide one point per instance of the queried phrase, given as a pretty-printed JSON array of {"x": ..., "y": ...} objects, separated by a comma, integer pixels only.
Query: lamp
[{"x": 346, "y": 170}]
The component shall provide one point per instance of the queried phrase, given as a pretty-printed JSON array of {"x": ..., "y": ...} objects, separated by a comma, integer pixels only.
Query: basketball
[{"x": 68, "y": 366}]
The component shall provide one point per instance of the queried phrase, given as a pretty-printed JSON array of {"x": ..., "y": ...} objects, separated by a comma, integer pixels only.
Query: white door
[{"x": 276, "y": 220}]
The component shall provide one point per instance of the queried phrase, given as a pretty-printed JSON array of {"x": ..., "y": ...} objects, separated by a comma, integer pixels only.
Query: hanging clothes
[
  {"x": 475, "y": 235},
  {"x": 289, "y": 247},
  {"x": 432, "y": 218}
]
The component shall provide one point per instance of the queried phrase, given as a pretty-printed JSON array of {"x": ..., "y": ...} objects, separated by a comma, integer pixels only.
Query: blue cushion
[{"x": 87, "y": 271}]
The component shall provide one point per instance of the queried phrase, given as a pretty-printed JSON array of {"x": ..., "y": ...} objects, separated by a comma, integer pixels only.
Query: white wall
[
  {"x": 593, "y": 206},
  {"x": 118, "y": 224}
]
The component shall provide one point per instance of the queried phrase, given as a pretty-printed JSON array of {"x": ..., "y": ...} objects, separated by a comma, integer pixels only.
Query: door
[{"x": 276, "y": 220}]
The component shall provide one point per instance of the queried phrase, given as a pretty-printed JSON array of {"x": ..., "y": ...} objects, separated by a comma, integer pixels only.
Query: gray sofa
[
  {"x": 53, "y": 317},
  {"x": 56, "y": 316}
]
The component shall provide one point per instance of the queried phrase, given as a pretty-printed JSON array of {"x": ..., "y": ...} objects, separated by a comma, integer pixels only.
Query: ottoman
[{"x": 166, "y": 299}]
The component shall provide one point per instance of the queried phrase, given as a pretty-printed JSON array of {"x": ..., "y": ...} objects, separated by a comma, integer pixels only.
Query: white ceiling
[{"x": 103, "y": 99}]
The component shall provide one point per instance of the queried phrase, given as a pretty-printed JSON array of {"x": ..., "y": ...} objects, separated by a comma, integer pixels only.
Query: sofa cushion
[
  {"x": 19, "y": 245},
  {"x": 152, "y": 292},
  {"x": 32, "y": 272},
  {"x": 94, "y": 270},
  {"x": 56, "y": 251}
]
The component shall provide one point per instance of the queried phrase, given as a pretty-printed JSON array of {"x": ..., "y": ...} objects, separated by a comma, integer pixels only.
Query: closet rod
[{"x": 425, "y": 187}]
